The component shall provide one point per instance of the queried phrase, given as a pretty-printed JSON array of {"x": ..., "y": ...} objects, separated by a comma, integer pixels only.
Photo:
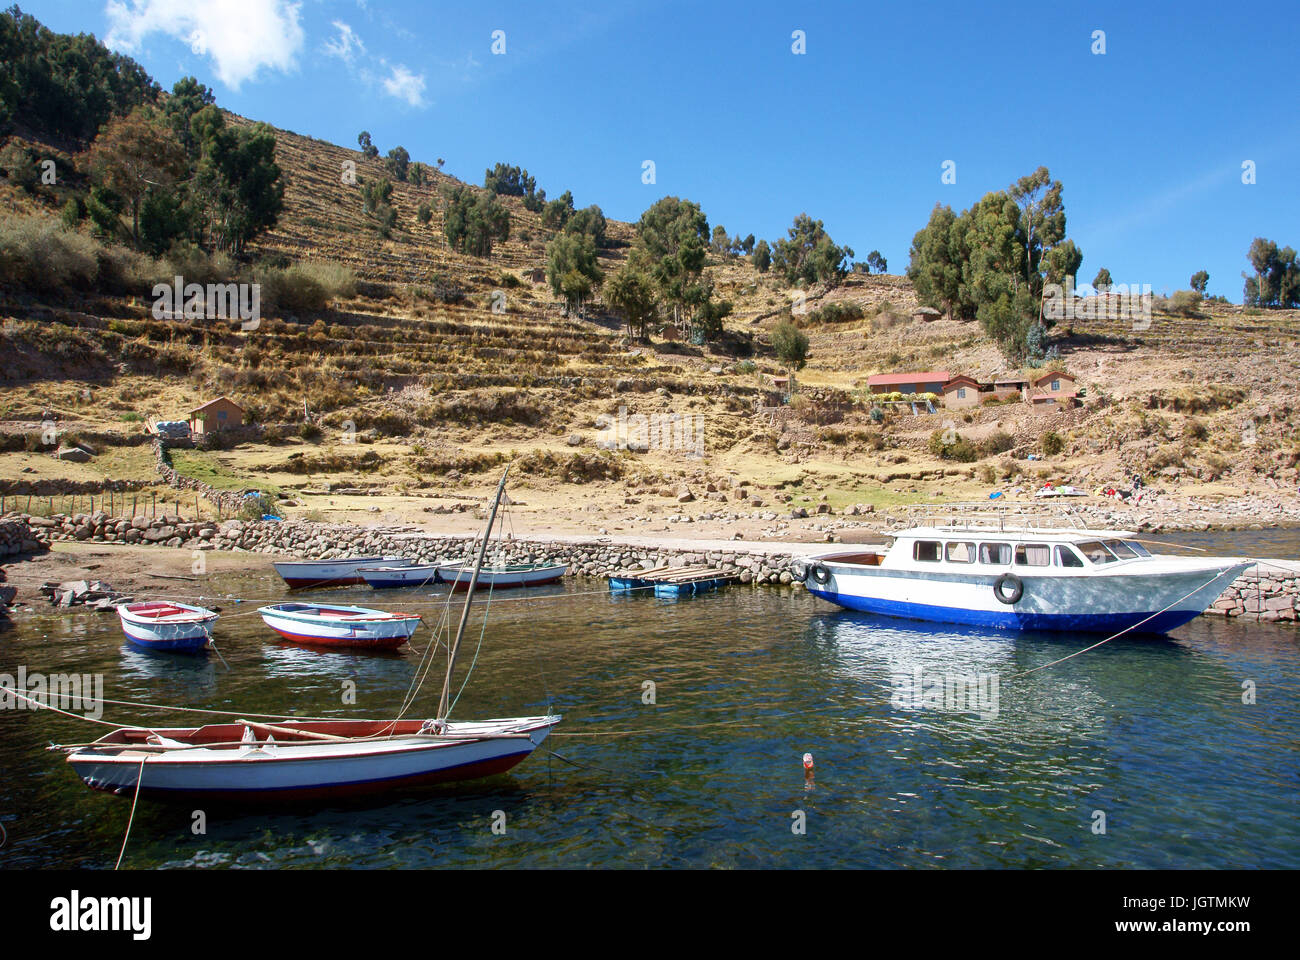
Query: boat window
[
  {"x": 995, "y": 553},
  {"x": 1121, "y": 549},
  {"x": 1137, "y": 548},
  {"x": 927, "y": 550},
  {"x": 1095, "y": 552},
  {"x": 961, "y": 552},
  {"x": 1065, "y": 557},
  {"x": 1033, "y": 555}
]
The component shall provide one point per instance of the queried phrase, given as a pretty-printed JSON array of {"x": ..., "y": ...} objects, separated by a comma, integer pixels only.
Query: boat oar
[{"x": 290, "y": 731}]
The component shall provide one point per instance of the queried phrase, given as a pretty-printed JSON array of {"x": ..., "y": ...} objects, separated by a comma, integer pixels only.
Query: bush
[
  {"x": 1052, "y": 443},
  {"x": 950, "y": 445},
  {"x": 254, "y": 508},
  {"x": 293, "y": 288},
  {"x": 998, "y": 442},
  {"x": 1184, "y": 303},
  {"x": 40, "y": 254}
]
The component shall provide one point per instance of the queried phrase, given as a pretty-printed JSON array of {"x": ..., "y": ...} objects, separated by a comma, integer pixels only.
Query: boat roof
[{"x": 1014, "y": 532}]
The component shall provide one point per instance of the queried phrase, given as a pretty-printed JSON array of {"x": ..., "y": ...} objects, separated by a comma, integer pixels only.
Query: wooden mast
[{"x": 443, "y": 707}]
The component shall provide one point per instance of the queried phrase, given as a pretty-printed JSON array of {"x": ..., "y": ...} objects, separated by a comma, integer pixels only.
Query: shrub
[
  {"x": 254, "y": 508},
  {"x": 998, "y": 442},
  {"x": 39, "y": 254},
  {"x": 291, "y": 289},
  {"x": 950, "y": 445},
  {"x": 1184, "y": 303},
  {"x": 1052, "y": 443}
]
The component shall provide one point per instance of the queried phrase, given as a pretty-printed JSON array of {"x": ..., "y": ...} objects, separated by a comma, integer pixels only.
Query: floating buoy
[{"x": 807, "y": 761}]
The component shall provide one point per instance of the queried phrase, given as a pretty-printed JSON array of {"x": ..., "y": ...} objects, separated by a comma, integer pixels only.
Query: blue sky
[{"x": 1148, "y": 138}]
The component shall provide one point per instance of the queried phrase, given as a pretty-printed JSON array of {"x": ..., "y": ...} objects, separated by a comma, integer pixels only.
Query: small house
[
  {"x": 1053, "y": 384},
  {"x": 962, "y": 391},
  {"x": 1054, "y": 390},
  {"x": 219, "y": 414},
  {"x": 927, "y": 314},
  {"x": 926, "y": 381},
  {"x": 1011, "y": 387}
]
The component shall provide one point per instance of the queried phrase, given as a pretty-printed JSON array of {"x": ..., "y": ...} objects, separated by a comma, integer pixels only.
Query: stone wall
[
  {"x": 226, "y": 500},
  {"x": 17, "y": 536},
  {"x": 327, "y": 541},
  {"x": 1265, "y": 592}
]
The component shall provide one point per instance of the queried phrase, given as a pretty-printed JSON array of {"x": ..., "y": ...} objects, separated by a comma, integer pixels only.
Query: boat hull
[
  {"x": 191, "y": 634},
  {"x": 459, "y": 577},
  {"x": 301, "y": 574},
  {"x": 300, "y": 771},
  {"x": 384, "y": 578},
  {"x": 337, "y": 632},
  {"x": 1146, "y": 603}
]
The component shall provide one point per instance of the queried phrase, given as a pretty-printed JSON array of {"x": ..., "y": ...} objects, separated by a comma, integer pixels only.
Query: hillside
[{"x": 416, "y": 390}]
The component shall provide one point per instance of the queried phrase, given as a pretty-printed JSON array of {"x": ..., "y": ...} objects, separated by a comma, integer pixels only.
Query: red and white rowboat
[
  {"x": 303, "y": 760},
  {"x": 324, "y": 625}
]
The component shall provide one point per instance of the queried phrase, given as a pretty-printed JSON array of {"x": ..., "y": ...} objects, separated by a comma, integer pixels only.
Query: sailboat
[{"x": 299, "y": 760}]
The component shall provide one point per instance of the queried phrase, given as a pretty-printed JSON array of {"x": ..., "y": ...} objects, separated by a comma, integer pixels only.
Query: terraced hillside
[{"x": 416, "y": 390}]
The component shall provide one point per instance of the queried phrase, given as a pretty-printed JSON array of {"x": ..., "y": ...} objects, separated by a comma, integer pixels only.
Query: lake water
[{"x": 1150, "y": 734}]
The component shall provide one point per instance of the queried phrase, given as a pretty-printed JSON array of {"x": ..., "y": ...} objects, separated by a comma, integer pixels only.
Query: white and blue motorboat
[{"x": 1022, "y": 579}]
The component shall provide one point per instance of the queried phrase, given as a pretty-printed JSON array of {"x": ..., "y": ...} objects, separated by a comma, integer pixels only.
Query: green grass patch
[{"x": 206, "y": 468}]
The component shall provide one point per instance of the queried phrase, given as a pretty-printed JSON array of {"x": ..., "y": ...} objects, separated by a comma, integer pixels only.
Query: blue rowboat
[
  {"x": 164, "y": 625},
  {"x": 687, "y": 589}
]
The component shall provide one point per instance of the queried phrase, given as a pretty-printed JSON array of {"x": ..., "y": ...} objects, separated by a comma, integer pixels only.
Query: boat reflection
[{"x": 190, "y": 672}]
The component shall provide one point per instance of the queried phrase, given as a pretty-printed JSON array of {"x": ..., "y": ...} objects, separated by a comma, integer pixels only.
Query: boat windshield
[
  {"x": 1121, "y": 549},
  {"x": 1137, "y": 548},
  {"x": 1095, "y": 551}
]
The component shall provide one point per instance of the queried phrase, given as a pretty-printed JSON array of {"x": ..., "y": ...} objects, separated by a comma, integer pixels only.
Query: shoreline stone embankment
[{"x": 1269, "y": 591}]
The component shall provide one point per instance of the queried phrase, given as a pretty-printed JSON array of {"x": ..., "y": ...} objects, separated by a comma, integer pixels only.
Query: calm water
[{"x": 1151, "y": 732}]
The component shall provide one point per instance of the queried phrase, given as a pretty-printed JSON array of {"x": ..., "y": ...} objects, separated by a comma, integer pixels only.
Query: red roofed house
[
  {"x": 1052, "y": 391},
  {"x": 927, "y": 381},
  {"x": 962, "y": 391}
]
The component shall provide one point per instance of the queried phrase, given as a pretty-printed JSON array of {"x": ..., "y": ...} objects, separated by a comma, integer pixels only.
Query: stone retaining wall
[
  {"x": 16, "y": 536},
  {"x": 223, "y": 499},
  {"x": 1265, "y": 592}
]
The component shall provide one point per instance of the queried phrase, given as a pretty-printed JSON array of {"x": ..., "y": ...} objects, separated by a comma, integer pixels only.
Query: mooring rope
[
  {"x": 139, "y": 779},
  {"x": 1121, "y": 633}
]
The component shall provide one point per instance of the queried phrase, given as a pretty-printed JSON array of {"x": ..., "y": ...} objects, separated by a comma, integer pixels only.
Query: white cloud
[
  {"x": 405, "y": 85},
  {"x": 242, "y": 37},
  {"x": 347, "y": 45}
]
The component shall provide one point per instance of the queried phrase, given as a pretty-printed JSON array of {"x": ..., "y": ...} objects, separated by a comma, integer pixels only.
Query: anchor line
[{"x": 1134, "y": 626}]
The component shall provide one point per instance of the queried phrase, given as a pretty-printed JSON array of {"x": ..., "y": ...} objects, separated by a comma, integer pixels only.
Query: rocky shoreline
[{"x": 1267, "y": 592}]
